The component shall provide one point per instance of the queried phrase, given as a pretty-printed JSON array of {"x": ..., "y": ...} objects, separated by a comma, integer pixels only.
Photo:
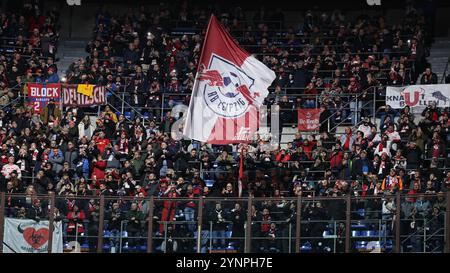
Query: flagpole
[
  {"x": 204, "y": 41},
  {"x": 198, "y": 67},
  {"x": 241, "y": 172}
]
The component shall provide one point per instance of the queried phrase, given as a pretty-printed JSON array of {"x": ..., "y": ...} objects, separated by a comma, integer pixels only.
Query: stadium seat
[
  {"x": 387, "y": 245},
  {"x": 367, "y": 233},
  {"x": 306, "y": 247},
  {"x": 361, "y": 212},
  {"x": 358, "y": 225},
  {"x": 360, "y": 245},
  {"x": 106, "y": 248},
  {"x": 209, "y": 183},
  {"x": 373, "y": 245}
]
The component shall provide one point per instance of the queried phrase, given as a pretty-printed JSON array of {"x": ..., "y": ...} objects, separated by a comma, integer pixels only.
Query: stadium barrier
[{"x": 327, "y": 224}]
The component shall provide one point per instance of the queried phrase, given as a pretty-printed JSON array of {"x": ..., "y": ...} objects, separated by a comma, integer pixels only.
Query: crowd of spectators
[
  {"x": 28, "y": 44},
  {"x": 145, "y": 55},
  {"x": 78, "y": 156}
]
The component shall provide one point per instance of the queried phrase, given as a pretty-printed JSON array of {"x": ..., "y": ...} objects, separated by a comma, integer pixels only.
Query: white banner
[
  {"x": 29, "y": 236},
  {"x": 417, "y": 97}
]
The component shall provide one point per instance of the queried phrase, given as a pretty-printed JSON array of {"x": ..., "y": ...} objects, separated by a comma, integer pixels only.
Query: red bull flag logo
[{"x": 229, "y": 89}]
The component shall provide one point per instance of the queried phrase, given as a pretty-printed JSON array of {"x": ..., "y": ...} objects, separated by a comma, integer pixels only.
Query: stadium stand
[{"x": 369, "y": 179}]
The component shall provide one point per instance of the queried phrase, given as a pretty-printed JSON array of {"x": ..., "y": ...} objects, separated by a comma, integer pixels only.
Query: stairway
[
  {"x": 439, "y": 56},
  {"x": 77, "y": 23},
  {"x": 70, "y": 50}
]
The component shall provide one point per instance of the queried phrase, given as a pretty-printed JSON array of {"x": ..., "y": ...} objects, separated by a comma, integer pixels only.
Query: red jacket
[
  {"x": 265, "y": 224},
  {"x": 101, "y": 144},
  {"x": 282, "y": 158},
  {"x": 79, "y": 222},
  {"x": 336, "y": 159},
  {"x": 99, "y": 169},
  {"x": 307, "y": 149}
]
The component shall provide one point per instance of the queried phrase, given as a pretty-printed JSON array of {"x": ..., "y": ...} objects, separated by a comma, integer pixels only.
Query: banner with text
[
  {"x": 29, "y": 236},
  {"x": 71, "y": 96},
  {"x": 40, "y": 94},
  {"x": 308, "y": 119},
  {"x": 418, "y": 97}
]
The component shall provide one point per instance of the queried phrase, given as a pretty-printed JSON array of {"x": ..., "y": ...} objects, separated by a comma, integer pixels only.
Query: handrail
[
  {"x": 445, "y": 71},
  {"x": 19, "y": 96},
  {"x": 403, "y": 196},
  {"x": 124, "y": 102},
  {"x": 345, "y": 105}
]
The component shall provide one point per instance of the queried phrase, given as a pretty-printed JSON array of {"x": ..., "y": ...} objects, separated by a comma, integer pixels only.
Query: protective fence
[{"x": 398, "y": 223}]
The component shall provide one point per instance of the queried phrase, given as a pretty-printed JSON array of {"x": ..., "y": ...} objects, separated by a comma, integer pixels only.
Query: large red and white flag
[{"x": 229, "y": 88}]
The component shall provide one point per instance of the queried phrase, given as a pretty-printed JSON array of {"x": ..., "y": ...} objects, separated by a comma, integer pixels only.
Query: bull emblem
[
  {"x": 415, "y": 99},
  {"x": 35, "y": 238},
  {"x": 212, "y": 76}
]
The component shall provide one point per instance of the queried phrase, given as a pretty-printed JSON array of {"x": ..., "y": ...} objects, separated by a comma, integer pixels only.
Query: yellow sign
[{"x": 86, "y": 89}]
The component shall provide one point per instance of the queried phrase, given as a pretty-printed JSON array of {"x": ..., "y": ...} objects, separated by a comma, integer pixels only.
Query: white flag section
[
  {"x": 417, "y": 97},
  {"x": 229, "y": 89},
  {"x": 29, "y": 236},
  {"x": 209, "y": 103}
]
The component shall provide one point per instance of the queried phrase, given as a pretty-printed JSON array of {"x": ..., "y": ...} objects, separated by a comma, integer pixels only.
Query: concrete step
[
  {"x": 287, "y": 135},
  {"x": 71, "y": 54},
  {"x": 440, "y": 56},
  {"x": 442, "y": 42},
  {"x": 75, "y": 44},
  {"x": 437, "y": 39}
]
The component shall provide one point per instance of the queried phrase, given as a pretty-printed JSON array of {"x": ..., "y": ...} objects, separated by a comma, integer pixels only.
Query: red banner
[
  {"x": 71, "y": 97},
  {"x": 308, "y": 119},
  {"x": 40, "y": 94}
]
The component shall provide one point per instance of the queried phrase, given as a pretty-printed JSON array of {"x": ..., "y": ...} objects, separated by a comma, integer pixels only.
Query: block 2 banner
[{"x": 40, "y": 94}]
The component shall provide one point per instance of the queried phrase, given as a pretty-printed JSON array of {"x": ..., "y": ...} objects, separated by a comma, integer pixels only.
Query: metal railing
[
  {"x": 304, "y": 232},
  {"x": 444, "y": 75}
]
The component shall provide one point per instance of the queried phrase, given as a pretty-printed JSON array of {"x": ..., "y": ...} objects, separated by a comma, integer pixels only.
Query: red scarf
[
  {"x": 380, "y": 147},
  {"x": 347, "y": 143},
  {"x": 436, "y": 150}
]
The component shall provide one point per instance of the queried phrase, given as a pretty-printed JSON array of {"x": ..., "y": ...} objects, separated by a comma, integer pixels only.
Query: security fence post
[
  {"x": 447, "y": 224},
  {"x": 248, "y": 229},
  {"x": 298, "y": 224},
  {"x": 51, "y": 221},
  {"x": 200, "y": 223},
  {"x": 150, "y": 225},
  {"x": 348, "y": 224},
  {"x": 101, "y": 219},
  {"x": 2, "y": 218},
  {"x": 397, "y": 222}
]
